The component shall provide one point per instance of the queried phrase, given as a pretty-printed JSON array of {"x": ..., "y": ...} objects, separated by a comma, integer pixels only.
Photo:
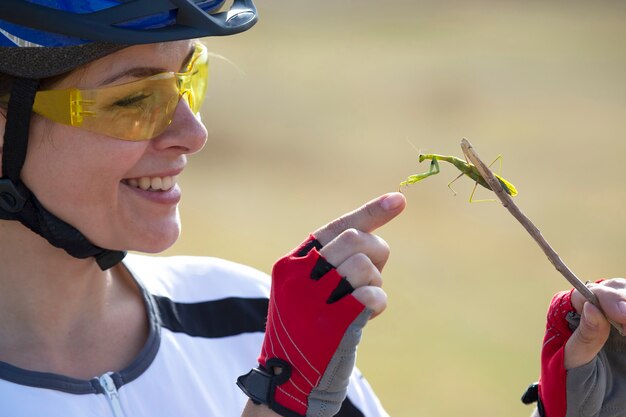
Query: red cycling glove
[
  {"x": 313, "y": 327},
  {"x": 552, "y": 385}
]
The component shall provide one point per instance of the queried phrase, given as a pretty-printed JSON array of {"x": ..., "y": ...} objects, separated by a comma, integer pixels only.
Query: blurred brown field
[{"x": 314, "y": 111}]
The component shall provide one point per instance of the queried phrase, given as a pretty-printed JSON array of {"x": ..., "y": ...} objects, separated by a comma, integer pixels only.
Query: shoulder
[{"x": 193, "y": 278}]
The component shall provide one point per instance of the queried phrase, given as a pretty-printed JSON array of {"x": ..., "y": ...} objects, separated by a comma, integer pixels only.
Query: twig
[{"x": 507, "y": 202}]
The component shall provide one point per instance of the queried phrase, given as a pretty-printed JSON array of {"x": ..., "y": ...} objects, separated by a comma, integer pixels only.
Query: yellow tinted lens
[
  {"x": 193, "y": 83},
  {"x": 134, "y": 111},
  {"x": 199, "y": 85}
]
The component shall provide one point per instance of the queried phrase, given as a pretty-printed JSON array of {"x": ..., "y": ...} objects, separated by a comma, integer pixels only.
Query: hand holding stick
[{"x": 507, "y": 202}]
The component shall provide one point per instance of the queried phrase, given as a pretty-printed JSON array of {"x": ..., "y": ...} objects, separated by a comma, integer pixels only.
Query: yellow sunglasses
[{"x": 134, "y": 111}]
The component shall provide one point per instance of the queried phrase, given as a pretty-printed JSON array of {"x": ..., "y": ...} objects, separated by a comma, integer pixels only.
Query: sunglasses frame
[{"x": 71, "y": 107}]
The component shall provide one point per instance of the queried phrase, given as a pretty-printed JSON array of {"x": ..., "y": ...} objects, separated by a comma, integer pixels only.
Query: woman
[{"x": 99, "y": 100}]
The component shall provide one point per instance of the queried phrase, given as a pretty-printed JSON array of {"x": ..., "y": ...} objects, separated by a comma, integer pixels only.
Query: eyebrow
[{"x": 142, "y": 72}]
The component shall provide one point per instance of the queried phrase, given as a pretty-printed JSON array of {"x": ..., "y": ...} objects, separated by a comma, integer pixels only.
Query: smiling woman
[
  {"x": 87, "y": 160},
  {"x": 99, "y": 105}
]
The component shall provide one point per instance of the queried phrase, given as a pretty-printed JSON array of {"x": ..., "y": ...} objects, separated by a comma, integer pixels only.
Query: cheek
[{"x": 71, "y": 170}]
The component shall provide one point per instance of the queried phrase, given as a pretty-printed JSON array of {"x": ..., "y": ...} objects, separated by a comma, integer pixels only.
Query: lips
[{"x": 152, "y": 183}]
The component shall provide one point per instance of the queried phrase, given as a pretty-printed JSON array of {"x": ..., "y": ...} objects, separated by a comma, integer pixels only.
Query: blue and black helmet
[
  {"x": 42, "y": 38},
  {"x": 46, "y": 38}
]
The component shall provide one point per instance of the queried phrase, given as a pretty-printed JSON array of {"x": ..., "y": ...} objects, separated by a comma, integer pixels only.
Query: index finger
[{"x": 366, "y": 218}]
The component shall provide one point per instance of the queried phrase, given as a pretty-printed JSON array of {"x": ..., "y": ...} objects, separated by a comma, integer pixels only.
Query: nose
[{"x": 186, "y": 134}]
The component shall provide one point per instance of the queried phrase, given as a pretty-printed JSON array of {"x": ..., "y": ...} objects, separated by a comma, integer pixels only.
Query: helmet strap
[
  {"x": 21, "y": 102},
  {"x": 17, "y": 202}
]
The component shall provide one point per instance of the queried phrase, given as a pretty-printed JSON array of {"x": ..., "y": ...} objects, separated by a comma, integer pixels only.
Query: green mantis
[{"x": 466, "y": 169}]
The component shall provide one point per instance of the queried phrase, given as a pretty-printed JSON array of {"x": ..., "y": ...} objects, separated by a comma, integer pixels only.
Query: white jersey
[{"x": 207, "y": 318}]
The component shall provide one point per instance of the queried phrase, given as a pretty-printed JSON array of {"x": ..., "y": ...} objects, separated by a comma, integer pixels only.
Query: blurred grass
[{"x": 314, "y": 119}]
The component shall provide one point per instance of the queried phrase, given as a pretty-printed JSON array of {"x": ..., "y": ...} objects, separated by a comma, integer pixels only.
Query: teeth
[
  {"x": 144, "y": 183},
  {"x": 152, "y": 183},
  {"x": 156, "y": 183}
]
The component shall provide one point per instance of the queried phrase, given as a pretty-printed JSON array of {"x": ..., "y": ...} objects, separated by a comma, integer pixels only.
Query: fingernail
[
  {"x": 392, "y": 201},
  {"x": 622, "y": 307}
]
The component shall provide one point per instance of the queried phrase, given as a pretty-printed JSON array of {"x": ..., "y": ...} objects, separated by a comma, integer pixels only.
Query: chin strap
[{"x": 17, "y": 202}]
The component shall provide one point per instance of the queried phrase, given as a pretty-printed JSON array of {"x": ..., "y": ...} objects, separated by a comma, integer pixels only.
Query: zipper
[{"x": 110, "y": 390}]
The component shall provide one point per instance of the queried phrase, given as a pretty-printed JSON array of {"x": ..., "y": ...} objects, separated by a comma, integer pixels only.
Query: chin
[
  {"x": 153, "y": 239},
  {"x": 157, "y": 247},
  {"x": 156, "y": 242}
]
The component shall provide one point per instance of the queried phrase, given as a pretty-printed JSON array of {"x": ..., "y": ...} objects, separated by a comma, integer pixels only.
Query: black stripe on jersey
[
  {"x": 221, "y": 318},
  {"x": 213, "y": 319},
  {"x": 349, "y": 410}
]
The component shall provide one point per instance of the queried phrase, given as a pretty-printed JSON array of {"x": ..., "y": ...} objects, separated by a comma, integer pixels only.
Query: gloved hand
[
  {"x": 583, "y": 366},
  {"x": 593, "y": 357},
  {"x": 322, "y": 295}
]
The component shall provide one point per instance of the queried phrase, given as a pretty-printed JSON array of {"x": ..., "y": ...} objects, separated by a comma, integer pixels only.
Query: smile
[{"x": 152, "y": 183}]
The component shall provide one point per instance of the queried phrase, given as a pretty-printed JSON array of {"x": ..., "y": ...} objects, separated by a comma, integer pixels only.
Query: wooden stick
[{"x": 507, "y": 202}]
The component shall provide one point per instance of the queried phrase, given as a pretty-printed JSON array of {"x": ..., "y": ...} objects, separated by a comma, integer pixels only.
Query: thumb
[
  {"x": 366, "y": 218},
  {"x": 588, "y": 339}
]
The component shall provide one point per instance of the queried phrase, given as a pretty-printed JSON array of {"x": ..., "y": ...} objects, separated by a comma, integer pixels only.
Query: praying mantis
[{"x": 466, "y": 169}]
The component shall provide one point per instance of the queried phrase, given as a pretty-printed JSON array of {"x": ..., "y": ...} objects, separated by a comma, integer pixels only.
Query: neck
[
  {"x": 36, "y": 275},
  {"x": 53, "y": 304}
]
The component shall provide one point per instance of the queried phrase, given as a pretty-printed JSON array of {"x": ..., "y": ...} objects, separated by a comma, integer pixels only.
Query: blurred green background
[{"x": 311, "y": 113}]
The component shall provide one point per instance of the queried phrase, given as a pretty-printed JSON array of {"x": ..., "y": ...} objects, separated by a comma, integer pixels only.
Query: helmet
[
  {"x": 42, "y": 38},
  {"x": 45, "y": 38}
]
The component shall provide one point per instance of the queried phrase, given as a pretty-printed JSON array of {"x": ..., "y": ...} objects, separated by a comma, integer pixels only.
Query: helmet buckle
[{"x": 11, "y": 199}]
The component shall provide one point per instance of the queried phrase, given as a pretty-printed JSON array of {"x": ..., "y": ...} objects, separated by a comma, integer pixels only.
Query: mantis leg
[
  {"x": 499, "y": 158},
  {"x": 450, "y": 183},
  {"x": 432, "y": 170},
  {"x": 471, "y": 199}
]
